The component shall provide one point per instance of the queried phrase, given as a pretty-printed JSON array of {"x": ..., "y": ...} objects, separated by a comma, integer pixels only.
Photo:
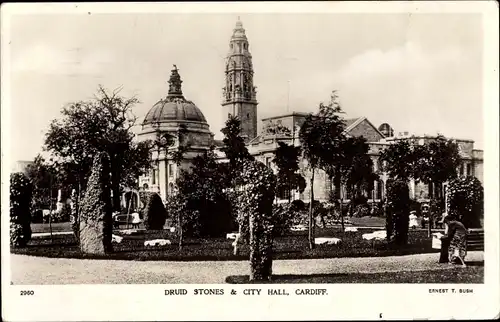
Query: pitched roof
[
  {"x": 352, "y": 123},
  {"x": 349, "y": 122}
]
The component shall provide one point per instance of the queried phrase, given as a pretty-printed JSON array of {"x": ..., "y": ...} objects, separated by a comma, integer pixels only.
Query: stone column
[{"x": 162, "y": 182}]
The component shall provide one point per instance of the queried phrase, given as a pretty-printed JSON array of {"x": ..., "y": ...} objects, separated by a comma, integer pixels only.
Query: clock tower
[{"x": 239, "y": 93}]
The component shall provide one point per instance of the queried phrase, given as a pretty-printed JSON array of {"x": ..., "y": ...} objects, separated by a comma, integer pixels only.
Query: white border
[{"x": 356, "y": 301}]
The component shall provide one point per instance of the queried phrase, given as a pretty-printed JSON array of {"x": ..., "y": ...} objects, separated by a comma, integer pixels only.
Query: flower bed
[{"x": 293, "y": 245}]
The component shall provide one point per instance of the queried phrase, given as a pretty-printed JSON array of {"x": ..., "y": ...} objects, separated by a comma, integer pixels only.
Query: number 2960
[{"x": 29, "y": 292}]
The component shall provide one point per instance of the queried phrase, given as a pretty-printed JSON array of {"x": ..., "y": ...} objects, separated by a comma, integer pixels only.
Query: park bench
[
  {"x": 131, "y": 220},
  {"x": 475, "y": 239}
]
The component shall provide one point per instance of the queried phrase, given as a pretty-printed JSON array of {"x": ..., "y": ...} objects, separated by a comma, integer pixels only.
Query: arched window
[
  {"x": 284, "y": 193},
  {"x": 380, "y": 189},
  {"x": 469, "y": 169}
]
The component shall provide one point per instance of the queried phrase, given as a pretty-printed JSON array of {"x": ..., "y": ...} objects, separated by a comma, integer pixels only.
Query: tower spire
[
  {"x": 239, "y": 94},
  {"x": 175, "y": 83}
]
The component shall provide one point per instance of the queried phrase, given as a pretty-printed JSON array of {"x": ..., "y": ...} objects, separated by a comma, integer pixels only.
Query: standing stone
[
  {"x": 59, "y": 204},
  {"x": 256, "y": 207},
  {"x": 96, "y": 225}
]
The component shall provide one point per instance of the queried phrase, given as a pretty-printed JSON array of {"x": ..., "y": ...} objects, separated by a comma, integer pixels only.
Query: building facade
[
  {"x": 239, "y": 99},
  {"x": 180, "y": 118}
]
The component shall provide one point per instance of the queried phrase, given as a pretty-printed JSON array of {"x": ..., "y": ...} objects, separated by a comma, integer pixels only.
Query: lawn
[
  {"x": 56, "y": 227},
  {"x": 468, "y": 275},
  {"x": 292, "y": 246}
]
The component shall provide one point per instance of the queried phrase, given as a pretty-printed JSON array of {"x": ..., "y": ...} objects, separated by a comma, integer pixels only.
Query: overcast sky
[{"x": 420, "y": 73}]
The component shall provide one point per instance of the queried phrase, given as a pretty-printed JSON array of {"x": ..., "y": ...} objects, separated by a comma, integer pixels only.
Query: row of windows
[{"x": 245, "y": 46}]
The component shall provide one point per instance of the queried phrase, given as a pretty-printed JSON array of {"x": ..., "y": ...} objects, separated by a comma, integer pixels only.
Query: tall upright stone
[
  {"x": 239, "y": 93},
  {"x": 96, "y": 222}
]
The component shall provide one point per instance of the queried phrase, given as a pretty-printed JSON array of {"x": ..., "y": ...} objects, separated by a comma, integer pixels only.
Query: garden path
[{"x": 41, "y": 270}]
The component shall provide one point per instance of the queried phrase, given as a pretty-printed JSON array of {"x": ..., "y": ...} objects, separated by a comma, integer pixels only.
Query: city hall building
[{"x": 239, "y": 99}]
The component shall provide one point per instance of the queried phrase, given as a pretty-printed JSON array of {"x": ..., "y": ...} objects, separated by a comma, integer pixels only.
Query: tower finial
[
  {"x": 175, "y": 88},
  {"x": 239, "y": 25}
]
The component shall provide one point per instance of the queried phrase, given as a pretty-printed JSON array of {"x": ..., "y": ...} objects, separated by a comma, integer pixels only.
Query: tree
[
  {"x": 202, "y": 190},
  {"x": 102, "y": 124},
  {"x": 356, "y": 169},
  {"x": 287, "y": 160},
  {"x": 96, "y": 222},
  {"x": 397, "y": 220},
  {"x": 357, "y": 166},
  {"x": 44, "y": 180},
  {"x": 437, "y": 163},
  {"x": 466, "y": 201},
  {"x": 320, "y": 138},
  {"x": 234, "y": 148},
  {"x": 400, "y": 161}
]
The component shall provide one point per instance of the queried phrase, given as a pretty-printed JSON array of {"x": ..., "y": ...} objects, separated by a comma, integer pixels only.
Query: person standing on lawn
[{"x": 454, "y": 241}]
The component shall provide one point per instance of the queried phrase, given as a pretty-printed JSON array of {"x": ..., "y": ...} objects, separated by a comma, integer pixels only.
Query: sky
[{"x": 421, "y": 73}]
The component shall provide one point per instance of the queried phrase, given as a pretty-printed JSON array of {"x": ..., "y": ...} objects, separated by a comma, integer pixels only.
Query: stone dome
[{"x": 174, "y": 108}]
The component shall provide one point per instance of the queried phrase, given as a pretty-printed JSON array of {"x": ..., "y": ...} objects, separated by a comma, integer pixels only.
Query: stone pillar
[
  {"x": 375, "y": 190},
  {"x": 59, "y": 204},
  {"x": 162, "y": 182}
]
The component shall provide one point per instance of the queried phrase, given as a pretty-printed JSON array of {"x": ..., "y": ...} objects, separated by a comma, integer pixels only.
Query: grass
[
  {"x": 292, "y": 246},
  {"x": 56, "y": 227},
  {"x": 473, "y": 274},
  {"x": 368, "y": 221}
]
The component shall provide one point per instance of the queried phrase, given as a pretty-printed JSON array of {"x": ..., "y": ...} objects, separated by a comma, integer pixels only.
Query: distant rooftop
[{"x": 303, "y": 114}]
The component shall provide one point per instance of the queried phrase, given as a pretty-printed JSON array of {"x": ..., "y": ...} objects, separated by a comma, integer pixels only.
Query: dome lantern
[
  {"x": 175, "y": 108},
  {"x": 175, "y": 82}
]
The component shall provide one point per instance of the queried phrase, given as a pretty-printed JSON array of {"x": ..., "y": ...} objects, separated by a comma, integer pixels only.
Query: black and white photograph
[{"x": 232, "y": 152}]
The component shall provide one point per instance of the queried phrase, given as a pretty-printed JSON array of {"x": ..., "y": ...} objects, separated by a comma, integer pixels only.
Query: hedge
[
  {"x": 466, "y": 201},
  {"x": 20, "y": 216}
]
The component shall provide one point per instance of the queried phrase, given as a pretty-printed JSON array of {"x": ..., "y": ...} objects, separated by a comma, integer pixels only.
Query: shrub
[
  {"x": 298, "y": 205},
  {"x": 398, "y": 211},
  {"x": 416, "y": 206},
  {"x": 75, "y": 222},
  {"x": 63, "y": 215},
  {"x": 154, "y": 212},
  {"x": 37, "y": 216},
  {"x": 20, "y": 216},
  {"x": 284, "y": 216},
  {"x": 466, "y": 201},
  {"x": 361, "y": 210},
  {"x": 96, "y": 222},
  {"x": 359, "y": 200}
]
